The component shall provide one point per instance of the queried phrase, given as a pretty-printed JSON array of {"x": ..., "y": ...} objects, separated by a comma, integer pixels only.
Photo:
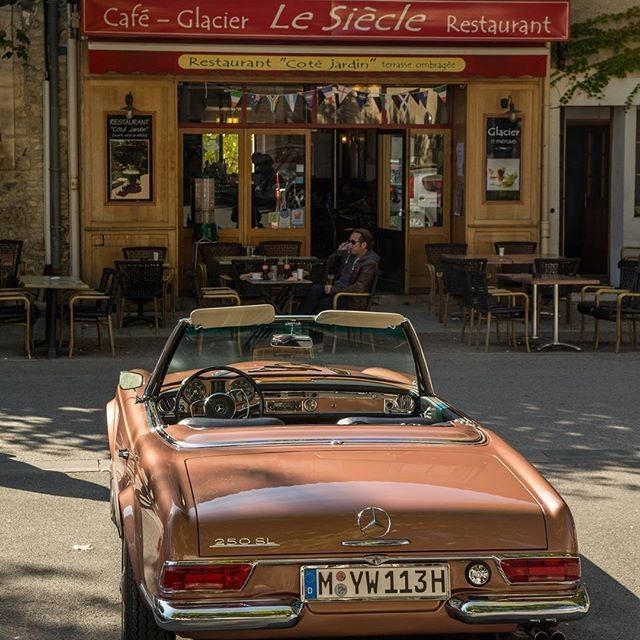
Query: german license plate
[{"x": 364, "y": 582}]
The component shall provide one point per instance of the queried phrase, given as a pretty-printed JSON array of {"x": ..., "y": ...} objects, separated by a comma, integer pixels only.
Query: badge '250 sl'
[{"x": 299, "y": 477}]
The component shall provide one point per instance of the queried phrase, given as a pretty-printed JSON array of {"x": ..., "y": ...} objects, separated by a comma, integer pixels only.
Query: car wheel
[{"x": 138, "y": 622}]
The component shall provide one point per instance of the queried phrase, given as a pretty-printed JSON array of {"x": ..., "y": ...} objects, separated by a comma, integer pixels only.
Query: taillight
[
  {"x": 196, "y": 577},
  {"x": 541, "y": 569}
]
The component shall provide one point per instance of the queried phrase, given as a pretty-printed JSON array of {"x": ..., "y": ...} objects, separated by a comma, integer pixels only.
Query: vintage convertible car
[{"x": 298, "y": 477}]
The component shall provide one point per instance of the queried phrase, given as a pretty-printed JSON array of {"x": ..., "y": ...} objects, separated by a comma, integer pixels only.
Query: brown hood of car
[{"x": 306, "y": 500}]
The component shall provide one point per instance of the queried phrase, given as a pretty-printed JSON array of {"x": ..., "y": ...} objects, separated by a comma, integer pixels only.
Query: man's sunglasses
[{"x": 355, "y": 241}]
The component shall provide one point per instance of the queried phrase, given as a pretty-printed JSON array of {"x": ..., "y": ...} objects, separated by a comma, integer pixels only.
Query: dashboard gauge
[
  {"x": 195, "y": 391},
  {"x": 243, "y": 388},
  {"x": 406, "y": 403}
]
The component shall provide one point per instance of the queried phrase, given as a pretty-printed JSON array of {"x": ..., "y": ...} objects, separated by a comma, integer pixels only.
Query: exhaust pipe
[
  {"x": 536, "y": 633},
  {"x": 555, "y": 634}
]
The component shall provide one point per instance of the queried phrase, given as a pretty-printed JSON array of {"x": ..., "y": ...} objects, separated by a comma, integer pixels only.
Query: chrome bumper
[
  {"x": 225, "y": 616},
  {"x": 518, "y": 610}
]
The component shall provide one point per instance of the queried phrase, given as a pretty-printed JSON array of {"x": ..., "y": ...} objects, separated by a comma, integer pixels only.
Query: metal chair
[
  {"x": 92, "y": 307},
  {"x": 18, "y": 307},
  {"x": 434, "y": 253},
  {"x": 10, "y": 252},
  {"x": 487, "y": 305},
  {"x": 551, "y": 267},
  {"x": 140, "y": 282},
  {"x": 279, "y": 248}
]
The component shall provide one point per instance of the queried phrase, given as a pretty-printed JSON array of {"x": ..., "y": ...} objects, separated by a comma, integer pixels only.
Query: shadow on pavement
[{"x": 15, "y": 474}]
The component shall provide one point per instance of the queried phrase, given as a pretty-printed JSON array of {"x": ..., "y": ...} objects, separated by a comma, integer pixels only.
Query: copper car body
[{"x": 255, "y": 502}]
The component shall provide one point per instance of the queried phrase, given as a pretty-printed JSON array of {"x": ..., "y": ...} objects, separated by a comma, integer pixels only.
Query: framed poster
[
  {"x": 503, "y": 159},
  {"x": 129, "y": 161}
]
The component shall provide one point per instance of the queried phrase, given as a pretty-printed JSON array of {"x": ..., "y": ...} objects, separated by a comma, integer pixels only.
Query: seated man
[{"x": 357, "y": 268}]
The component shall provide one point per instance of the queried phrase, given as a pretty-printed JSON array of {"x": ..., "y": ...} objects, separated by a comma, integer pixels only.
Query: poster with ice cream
[{"x": 503, "y": 148}]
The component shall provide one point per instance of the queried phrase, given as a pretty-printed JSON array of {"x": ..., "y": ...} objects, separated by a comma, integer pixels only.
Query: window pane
[
  {"x": 276, "y": 104},
  {"x": 426, "y": 180},
  {"x": 214, "y": 158},
  {"x": 207, "y": 102},
  {"x": 358, "y": 104},
  {"x": 637, "y": 198},
  {"x": 416, "y": 105},
  {"x": 278, "y": 181}
]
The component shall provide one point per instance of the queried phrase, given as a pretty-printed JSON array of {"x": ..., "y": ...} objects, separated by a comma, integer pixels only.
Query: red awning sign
[{"x": 352, "y": 20}]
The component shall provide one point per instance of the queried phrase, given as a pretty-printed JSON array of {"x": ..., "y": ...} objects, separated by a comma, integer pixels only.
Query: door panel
[{"x": 586, "y": 212}]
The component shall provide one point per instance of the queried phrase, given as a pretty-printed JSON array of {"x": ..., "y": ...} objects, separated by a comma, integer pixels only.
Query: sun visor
[
  {"x": 366, "y": 319},
  {"x": 243, "y": 316}
]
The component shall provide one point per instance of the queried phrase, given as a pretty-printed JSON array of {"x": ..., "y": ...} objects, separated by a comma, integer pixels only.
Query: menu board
[
  {"x": 129, "y": 142},
  {"x": 503, "y": 157}
]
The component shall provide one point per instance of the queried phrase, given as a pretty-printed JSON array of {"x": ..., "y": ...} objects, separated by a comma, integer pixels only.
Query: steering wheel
[{"x": 220, "y": 404}]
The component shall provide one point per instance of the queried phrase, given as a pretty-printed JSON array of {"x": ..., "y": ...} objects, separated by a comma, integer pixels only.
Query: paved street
[{"x": 575, "y": 415}]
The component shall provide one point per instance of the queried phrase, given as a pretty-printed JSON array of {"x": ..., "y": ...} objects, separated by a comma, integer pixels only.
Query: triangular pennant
[
  {"x": 273, "y": 101},
  {"x": 418, "y": 96},
  {"x": 341, "y": 93},
  {"x": 442, "y": 92},
  {"x": 362, "y": 97},
  {"x": 379, "y": 101},
  {"x": 291, "y": 99},
  {"x": 404, "y": 102},
  {"x": 423, "y": 97},
  {"x": 235, "y": 97},
  {"x": 308, "y": 98},
  {"x": 252, "y": 100},
  {"x": 327, "y": 91},
  {"x": 397, "y": 99}
]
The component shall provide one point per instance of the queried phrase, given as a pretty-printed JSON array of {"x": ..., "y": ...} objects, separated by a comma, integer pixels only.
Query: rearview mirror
[{"x": 129, "y": 380}]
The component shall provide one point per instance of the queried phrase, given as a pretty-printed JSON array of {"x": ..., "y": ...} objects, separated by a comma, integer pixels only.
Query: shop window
[
  {"x": 426, "y": 178},
  {"x": 416, "y": 105},
  {"x": 358, "y": 104},
  {"x": 278, "y": 181},
  {"x": 209, "y": 102},
  {"x": 277, "y": 104},
  {"x": 210, "y": 179}
]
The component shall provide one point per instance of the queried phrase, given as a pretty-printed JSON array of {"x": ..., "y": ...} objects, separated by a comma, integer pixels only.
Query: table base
[{"x": 559, "y": 346}]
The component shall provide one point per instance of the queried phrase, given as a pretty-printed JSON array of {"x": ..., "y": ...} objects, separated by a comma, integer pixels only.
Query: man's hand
[
  {"x": 344, "y": 247},
  {"x": 328, "y": 289}
]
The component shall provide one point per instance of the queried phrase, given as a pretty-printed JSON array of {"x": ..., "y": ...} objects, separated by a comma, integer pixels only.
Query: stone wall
[{"x": 22, "y": 142}]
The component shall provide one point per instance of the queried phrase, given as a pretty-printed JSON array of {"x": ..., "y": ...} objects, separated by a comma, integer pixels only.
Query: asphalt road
[{"x": 575, "y": 415}]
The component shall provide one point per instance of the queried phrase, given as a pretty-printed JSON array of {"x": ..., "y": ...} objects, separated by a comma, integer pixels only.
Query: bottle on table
[
  {"x": 286, "y": 269},
  {"x": 265, "y": 270}
]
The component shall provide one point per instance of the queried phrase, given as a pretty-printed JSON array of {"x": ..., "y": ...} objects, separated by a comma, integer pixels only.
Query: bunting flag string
[{"x": 392, "y": 101}]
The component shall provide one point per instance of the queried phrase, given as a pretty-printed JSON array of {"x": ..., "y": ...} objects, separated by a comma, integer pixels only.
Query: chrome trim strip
[
  {"x": 510, "y": 609},
  {"x": 375, "y": 543},
  {"x": 228, "y": 616},
  {"x": 381, "y": 558}
]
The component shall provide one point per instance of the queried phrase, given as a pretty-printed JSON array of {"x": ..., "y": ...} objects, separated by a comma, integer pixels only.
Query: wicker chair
[
  {"x": 18, "y": 307},
  {"x": 140, "y": 282},
  {"x": 488, "y": 305},
  {"x": 279, "y": 248},
  {"x": 556, "y": 267},
  {"x": 145, "y": 253},
  {"x": 92, "y": 307},
  {"x": 10, "y": 252},
  {"x": 604, "y": 308},
  {"x": 453, "y": 283},
  {"x": 434, "y": 253},
  {"x": 212, "y": 296}
]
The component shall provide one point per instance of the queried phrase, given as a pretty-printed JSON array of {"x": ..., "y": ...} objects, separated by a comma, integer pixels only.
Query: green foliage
[
  {"x": 18, "y": 45},
  {"x": 600, "y": 49}
]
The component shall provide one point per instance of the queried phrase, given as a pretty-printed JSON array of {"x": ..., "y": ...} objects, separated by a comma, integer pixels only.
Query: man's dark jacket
[{"x": 356, "y": 276}]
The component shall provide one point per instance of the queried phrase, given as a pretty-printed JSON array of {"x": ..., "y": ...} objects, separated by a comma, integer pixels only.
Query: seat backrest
[
  {"x": 208, "y": 257},
  {"x": 10, "y": 252},
  {"x": 222, "y": 248},
  {"x": 279, "y": 248},
  {"x": 556, "y": 266},
  {"x": 478, "y": 290},
  {"x": 145, "y": 253},
  {"x": 374, "y": 287},
  {"x": 627, "y": 273},
  {"x": 435, "y": 251},
  {"x": 453, "y": 270},
  {"x": 141, "y": 279},
  {"x": 519, "y": 246}
]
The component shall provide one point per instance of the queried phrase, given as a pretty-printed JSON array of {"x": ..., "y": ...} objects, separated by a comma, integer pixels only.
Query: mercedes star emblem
[{"x": 374, "y": 522}]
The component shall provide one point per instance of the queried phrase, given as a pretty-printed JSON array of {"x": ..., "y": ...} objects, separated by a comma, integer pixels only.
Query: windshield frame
[{"x": 154, "y": 385}]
